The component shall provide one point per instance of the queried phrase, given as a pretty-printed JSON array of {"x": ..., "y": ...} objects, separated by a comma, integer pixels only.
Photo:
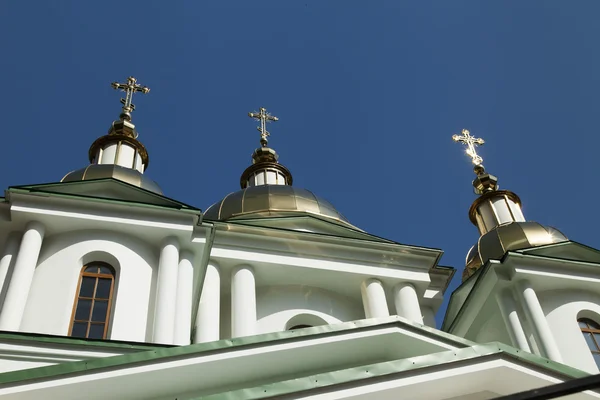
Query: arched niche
[{"x": 304, "y": 320}]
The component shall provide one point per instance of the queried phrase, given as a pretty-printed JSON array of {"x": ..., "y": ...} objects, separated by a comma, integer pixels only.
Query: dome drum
[
  {"x": 265, "y": 173},
  {"x": 265, "y": 170},
  {"x": 119, "y": 140},
  {"x": 495, "y": 208}
]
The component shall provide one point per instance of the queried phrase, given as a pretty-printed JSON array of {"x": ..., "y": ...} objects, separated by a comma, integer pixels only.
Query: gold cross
[
  {"x": 471, "y": 142},
  {"x": 129, "y": 88},
  {"x": 263, "y": 116}
]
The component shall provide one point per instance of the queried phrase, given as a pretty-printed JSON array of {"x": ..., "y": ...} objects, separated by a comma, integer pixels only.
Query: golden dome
[
  {"x": 103, "y": 171},
  {"x": 512, "y": 236},
  {"x": 271, "y": 201}
]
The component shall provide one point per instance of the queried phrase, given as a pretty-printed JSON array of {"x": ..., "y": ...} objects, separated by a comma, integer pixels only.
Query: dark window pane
[
  {"x": 103, "y": 289},
  {"x": 92, "y": 268},
  {"x": 300, "y": 327},
  {"x": 96, "y": 331},
  {"x": 582, "y": 323},
  {"x": 105, "y": 270},
  {"x": 592, "y": 324},
  {"x": 83, "y": 310},
  {"x": 79, "y": 329},
  {"x": 100, "y": 308},
  {"x": 597, "y": 337},
  {"x": 597, "y": 359},
  {"x": 589, "y": 340},
  {"x": 87, "y": 287}
]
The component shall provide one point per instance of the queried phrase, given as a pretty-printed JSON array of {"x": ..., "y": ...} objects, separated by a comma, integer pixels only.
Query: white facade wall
[
  {"x": 54, "y": 285},
  {"x": 428, "y": 316},
  {"x": 281, "y": 307},
  {"x": 562, "y": 309},
  {"x": 493, "y": 330}
]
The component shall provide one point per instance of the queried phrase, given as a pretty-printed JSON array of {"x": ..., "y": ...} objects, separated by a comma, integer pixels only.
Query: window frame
[
  {"x": 96, "y": 275},
  {"x": 588, "y": 329}
]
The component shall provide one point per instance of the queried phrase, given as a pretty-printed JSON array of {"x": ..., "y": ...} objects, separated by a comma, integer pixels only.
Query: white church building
[{"x": 111, "y": 290}]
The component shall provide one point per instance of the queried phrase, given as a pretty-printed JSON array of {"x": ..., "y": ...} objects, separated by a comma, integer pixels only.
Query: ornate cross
[
  {"x": 263, "y": 116},
  {"x": 471, "y": 142},
  {"x": 129, "y": 88}
]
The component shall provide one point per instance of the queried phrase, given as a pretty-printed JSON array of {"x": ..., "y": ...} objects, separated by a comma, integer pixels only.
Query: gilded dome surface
[
  {"x": 101, "y": 171},
  {"x": 512, "y": 236},
  {"x": 273, "y": 200}
]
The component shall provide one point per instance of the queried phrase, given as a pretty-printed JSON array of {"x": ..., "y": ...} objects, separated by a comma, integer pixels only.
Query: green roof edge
[
  {"x": 62, "y": 340},
  {"x": 106, "y": 200},
  {"x": 383, "y": 241},
  {"x": 320, "y": 381},
  {"x": 227, "y": 344},
  {"x": 558, "y": 244},
  {"x": 248, "y": 222},
  {"x": 477, "y": 276}
]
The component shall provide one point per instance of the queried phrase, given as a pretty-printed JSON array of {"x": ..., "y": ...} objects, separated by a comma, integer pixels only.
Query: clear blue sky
[{"x": 368, "y": 95}]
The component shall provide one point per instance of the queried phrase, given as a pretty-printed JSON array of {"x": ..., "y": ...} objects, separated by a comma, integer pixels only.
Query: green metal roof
[
  {"x": 36, "y": 338},
  {"x": 466, "y": 350},
  {"x": 164, "y": 354},
  {"x": 76, "y": 190},
  {"x": 398, "y": 368}
]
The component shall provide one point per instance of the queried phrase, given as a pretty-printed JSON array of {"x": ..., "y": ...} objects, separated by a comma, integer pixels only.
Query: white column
[
  {"x": 540, "y": 326},
  {"x": 209, "y": 309},
  {"x": 7, "y": 263},
  {"x": 164, "y": 316},
  {"x": 508, "y": 309},
  {"x": 243, "y": 302},
  {"x": 185, "y": 292},
  {"x": 407, "y": 302},
  {"x": 374, "y": 301},
  {"x": 20, "y": 282}
]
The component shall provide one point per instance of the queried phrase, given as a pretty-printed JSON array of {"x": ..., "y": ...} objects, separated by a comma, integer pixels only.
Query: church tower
[
  {"x": 284, "y": 258},
  {"x": 524, "y": 284},
  {"x": 97, "y": 254}
]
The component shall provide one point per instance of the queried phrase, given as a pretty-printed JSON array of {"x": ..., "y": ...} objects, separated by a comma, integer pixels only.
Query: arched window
[
  {"x": 591, "y": 332},
  {"x": 91, "y": 309}
]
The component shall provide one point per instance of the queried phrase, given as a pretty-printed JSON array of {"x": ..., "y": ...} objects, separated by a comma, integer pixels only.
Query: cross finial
[
  {"x": 471, "y": 142},
  {"x": 129, "y": 88},
  {"x": 263, "y": 116}
]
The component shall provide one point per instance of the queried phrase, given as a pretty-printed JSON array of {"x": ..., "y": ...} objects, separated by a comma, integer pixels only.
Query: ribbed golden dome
[
  {"x": 273, "y": 200},
  {"x": 101, "y": 171},
  {"x": 512, "y": 236}
]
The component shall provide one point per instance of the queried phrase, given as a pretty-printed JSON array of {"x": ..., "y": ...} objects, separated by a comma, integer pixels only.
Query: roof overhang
[
  {"x": 64, "y": 212},
  {"x": 391, "y": 357}
]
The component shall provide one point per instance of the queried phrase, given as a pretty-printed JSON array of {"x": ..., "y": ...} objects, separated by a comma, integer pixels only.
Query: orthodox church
[{"x": 111, "y": 289}]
